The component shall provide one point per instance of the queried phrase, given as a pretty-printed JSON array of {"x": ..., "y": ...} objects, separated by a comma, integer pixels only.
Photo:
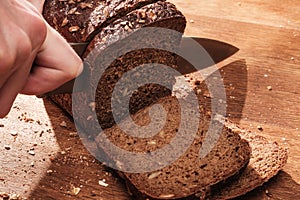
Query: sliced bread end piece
[{"x": 267, "y": 159}]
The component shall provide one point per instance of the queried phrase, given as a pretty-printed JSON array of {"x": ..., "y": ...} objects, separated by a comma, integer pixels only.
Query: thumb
[{"x": 55, "y": 64}]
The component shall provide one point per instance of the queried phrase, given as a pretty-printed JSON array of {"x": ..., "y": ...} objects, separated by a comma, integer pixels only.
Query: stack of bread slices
[{"x": 238, "y": 161}]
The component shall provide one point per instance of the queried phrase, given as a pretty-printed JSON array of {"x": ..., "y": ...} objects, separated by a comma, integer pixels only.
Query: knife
[
  {"x": 218, "y": 51},
  {"x": 79, "y": 47}
]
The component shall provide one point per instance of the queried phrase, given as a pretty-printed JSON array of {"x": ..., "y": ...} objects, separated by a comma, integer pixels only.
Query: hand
[
  {"x": 34, "y": 58},
  {"x": 38, "y": 4}
]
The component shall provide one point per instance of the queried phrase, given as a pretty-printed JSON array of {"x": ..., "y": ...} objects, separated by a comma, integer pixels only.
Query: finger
[
  {"x": 14, "y": 57},
  {"x": 38, "y": 4},
  {"x": 12, "y": 86},
  {"x": 43, "y": 80},
  {"x": 56, "y": 64},
  {"x": 7, "y": 65}
]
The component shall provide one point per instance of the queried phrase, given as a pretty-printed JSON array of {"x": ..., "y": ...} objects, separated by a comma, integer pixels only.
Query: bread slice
[
  {"x": 183, "y": 177},
  {"x": 267, "y": 159},
  {"x": 160, "y": 14},
  {"x": 80, "y": 21}
]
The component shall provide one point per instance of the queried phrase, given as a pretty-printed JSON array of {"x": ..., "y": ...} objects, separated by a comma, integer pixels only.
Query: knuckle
[
  {"x": 37, "y": 30},
  {"x": 7, "y": 60},
  {"x": 39, "y": 27},
  {"x": 75, "y": 71},
  {"x": 70, "y": 75},
  {"x": 25, "y": 48}
]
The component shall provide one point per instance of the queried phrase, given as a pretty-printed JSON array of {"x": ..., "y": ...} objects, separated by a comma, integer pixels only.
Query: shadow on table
[
  {"x": 282, "y": 186},
  {"x": 235, "y": 80},
  {"x": 74, "y": 168}
]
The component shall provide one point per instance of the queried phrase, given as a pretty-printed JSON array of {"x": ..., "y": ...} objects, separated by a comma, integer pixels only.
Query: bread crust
[
  {"x": 80, "y": 21},
  {"x": 267, "y": 159}
]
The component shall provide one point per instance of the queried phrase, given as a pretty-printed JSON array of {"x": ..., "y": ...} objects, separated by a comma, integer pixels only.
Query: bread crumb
[
  {"x": 260, "y": 128},
  {"x": 268, "y": 193},
  {"x": 269, "y": 88},
  {"x": 31, "y": 152},
  {"x": 63, "y": 124},
  {"x": 4, "y": 195},
  {"x": 102, "y": 183},
  {"x": 7, "y": 147},
  {"x": 92, "y": 105},
  {"x": 14, "y": 197},
  {"x": 75, "y": 191},
  {"x": 73, "y": 134}
]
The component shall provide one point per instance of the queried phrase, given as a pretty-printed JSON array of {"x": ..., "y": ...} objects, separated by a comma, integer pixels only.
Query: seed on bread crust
[
  {"x": 72, "y": 11},
  {"x": 74, "y": 29},
  {"x": 84, "y": 5},
  {"x": 64, "y": 22}
]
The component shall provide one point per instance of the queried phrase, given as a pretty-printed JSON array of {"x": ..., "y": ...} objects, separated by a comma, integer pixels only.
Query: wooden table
[{"x": 42, "y": 157}]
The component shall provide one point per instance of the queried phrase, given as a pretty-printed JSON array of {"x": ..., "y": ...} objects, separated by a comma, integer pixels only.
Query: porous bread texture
[
  {"x": 160, "y": 14},
  {"x": 267, "y": 159},
  {"x": 80, "y": 21},
  {"x": 189, "y": 174}
]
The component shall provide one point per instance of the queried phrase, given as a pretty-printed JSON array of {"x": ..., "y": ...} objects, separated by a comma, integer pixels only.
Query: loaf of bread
[{"x": 160, "y": 14}]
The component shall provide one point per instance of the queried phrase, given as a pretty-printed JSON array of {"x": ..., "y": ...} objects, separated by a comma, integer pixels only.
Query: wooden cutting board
[{"x": 43, "y": 158}]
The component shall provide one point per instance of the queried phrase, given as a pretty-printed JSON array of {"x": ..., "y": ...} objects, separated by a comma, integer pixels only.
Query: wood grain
[{"x": 267, "y": 34}]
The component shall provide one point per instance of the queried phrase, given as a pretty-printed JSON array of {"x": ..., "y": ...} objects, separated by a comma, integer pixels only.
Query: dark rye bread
[
  {"x": 188, "y": 175},
  {"x": 267, "y": 159},
  {"x": 81, "y": 20},
  {"x": 160, "y": 14}
]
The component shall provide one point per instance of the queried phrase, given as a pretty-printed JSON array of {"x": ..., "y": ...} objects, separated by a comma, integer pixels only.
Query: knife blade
[
  {"x": 79, "y": 47},
  {"x": 218, "y": 51}
]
